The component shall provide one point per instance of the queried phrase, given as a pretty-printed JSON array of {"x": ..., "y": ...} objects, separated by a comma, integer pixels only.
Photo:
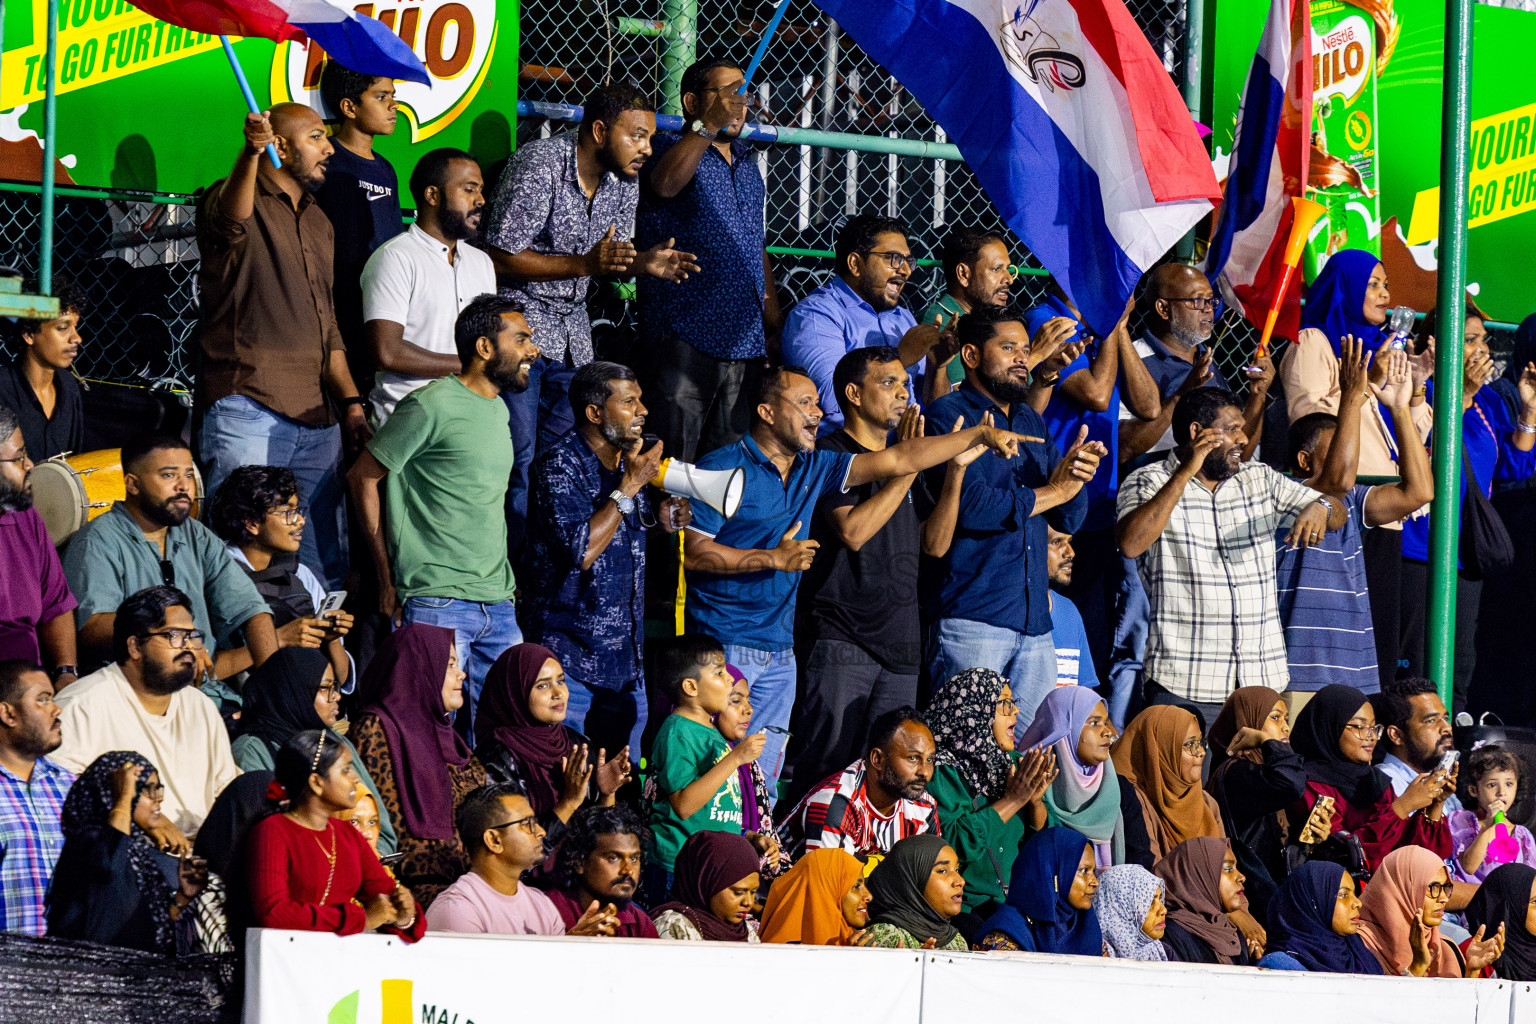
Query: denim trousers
[
  {"x": 770, "y": 679},
  {"x": 537, "y": 416},
  {"x": 609, "y": 716},
  {"x": 239, "y": 431},
  {"x": 480, "y": 632},
  {"x": 1029, "y": 662}
]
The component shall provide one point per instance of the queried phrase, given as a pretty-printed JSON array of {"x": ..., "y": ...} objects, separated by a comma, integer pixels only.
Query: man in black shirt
[
  {"x": 857, "y": 627},
  {"x": 361, "y": 196},
  {"x": 38, "y": 386}
]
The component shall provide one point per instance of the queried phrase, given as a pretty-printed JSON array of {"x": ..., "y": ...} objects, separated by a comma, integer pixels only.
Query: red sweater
[
  {"x": 1380, "y": 829},
  {"x": 288, "y": 872}
]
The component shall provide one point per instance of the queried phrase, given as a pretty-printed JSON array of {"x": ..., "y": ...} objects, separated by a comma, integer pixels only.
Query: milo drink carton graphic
[{"x": 1343, "y": 169}]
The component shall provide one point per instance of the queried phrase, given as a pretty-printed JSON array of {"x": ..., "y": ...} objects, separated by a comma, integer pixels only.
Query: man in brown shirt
[{"x": 272, "y": 352}]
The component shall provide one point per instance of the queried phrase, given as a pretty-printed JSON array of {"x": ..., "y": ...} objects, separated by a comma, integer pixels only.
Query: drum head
[{"x": 59, "y": 497}]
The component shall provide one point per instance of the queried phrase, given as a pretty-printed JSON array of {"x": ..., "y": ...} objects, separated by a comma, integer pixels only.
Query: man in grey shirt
[{"x": 563, "y": 213}]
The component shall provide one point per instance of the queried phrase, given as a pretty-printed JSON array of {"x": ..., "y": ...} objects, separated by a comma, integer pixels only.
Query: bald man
[{"x": 275, "y": 373}]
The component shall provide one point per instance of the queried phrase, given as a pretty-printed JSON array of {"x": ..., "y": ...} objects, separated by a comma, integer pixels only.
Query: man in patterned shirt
[
  {"x": 875, "y": 801},
  {"x": 562, "y": 214},
  {"x": 1202, "y": 525},
  {"x": 32, "y": 790},
  {"x": 586, "y": 603}
]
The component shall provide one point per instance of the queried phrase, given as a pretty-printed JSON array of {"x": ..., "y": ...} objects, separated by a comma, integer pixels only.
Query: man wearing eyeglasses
[
  {"x": 147, "y": 701},
  {"x": 858, "y": 308}
]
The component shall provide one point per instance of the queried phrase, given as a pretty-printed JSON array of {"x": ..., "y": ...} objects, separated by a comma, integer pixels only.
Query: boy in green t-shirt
[{"x": 697, "y": 788}]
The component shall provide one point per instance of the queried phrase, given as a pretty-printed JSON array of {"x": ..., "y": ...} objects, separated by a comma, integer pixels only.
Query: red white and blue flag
[
  {"x": 1271, "y": 149},
  {"x": 1069, "y": 121},
  {"x": 359, "y": 42}
]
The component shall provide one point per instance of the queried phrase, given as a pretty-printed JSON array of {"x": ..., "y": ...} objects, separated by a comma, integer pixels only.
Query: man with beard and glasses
[
  {"x": 598, "y": 863},
  {"x": 149, "y": 539},
  {"x": 1202, "y": 526},
  {"x": 416, "y": 284},
  {"x": 562, "y": 214},
  {"x": 32, "y": 791},
  {"x": 859, "y": 308},
  {"x": 992, "y": 606},
  {"x": 876, "y": 801},
  {"x": 591, "y": 511},
  {"x": 743, "y": 573},
  {"x": 146, "y": 701},
  {"x": 37, "y": 610},
  {"x": 441, "y": 465},
  {"x": 274, "y": 361},
  {"x": 505, "y": 841}
]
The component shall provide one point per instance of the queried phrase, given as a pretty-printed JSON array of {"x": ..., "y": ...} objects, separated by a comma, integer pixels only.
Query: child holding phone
[{"x": 1495, "y": 776}]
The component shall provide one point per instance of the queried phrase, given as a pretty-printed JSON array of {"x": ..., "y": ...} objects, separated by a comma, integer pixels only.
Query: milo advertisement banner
[
  {"x": 143, "y": 105},
  {"x": 1375, "y": 163}
]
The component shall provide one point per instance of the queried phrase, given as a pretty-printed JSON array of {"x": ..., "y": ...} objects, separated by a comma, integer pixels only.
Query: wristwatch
[
  {"x": 1327, "y": 505},
  {"x": 64, "y": 670},
  {"x": 625, "y": 502},
  {"x": 698, "y": 128}
]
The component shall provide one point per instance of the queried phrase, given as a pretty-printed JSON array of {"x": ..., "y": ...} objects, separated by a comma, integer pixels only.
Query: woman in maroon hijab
[
  {"x": 520, "y": 738},
  {"x": 423, "y": 769}
]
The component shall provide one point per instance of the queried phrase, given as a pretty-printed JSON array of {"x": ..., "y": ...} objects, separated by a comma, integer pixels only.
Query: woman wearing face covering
[
  {"x": 1161, "y": 754},
  {"x": 1050, "y": 899},
  {"x": 1254, "y": 775},
  {"x": 916, "y": 892},
  {"x": 1086, "y": 795},
  {"x": 1336, "y": 735},
  {"x": 1350, "y": 298},
  {"x": 1507, "y": 900}
]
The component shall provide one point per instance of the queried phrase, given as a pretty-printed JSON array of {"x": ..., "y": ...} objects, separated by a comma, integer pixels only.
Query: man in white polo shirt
[{"x": 415, "y": 284}]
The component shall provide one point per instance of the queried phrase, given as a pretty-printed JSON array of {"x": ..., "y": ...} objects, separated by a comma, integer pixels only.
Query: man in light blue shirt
[
  {"x": 1416, "y": 733},
  {"x": 858, "y": 308}
]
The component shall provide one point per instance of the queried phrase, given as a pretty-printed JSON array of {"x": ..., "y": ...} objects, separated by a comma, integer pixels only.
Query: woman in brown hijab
[
  {"x": 1161, "y": 754},
  {"x": 1205, "y": 887}
]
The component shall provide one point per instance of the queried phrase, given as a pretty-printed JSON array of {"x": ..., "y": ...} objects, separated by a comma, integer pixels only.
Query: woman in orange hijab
[
  {"x": 1400, "y": 916},
  {"x": 1161, "y": 754},
  {"x": 821, "y": 901}
]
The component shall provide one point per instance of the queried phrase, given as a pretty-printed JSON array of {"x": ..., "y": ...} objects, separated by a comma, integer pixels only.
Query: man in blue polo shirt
[
  {"x": 859, "y": 308},
  {"x": 743, "y": 572},
  {"x": 993, "y": 605}
]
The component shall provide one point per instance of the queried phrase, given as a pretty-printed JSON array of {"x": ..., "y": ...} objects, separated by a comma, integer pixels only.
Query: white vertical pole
[
  {"x": 807, "y": 90},
  {"x": 940, "y": 171}
]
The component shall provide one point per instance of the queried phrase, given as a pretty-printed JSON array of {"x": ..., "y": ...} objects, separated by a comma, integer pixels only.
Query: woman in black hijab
[
  {"x": 111, "y": 885},
  {"x": 916, "y": 891},
  {"x": 294, "y": 691},
  {"x": 1336, "y": 735},
  {"x": 1508, "y": 897}
]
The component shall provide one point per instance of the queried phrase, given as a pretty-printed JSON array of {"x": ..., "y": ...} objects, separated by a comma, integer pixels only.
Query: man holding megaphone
[{"x": 743, "y": 572}]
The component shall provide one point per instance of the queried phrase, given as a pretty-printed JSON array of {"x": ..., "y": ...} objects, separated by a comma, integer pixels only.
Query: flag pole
[
  {"x": 1305, "y": 216},
  {"x": 779, "y": 9},
  {"x": 245, "y": 89}
]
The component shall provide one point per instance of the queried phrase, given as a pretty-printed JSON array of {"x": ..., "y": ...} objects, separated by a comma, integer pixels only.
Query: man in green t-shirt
[
  {"x": 442, "y": 462},
  {"x": 976, "y": 273}
]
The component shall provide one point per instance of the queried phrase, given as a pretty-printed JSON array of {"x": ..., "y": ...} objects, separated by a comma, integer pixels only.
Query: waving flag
[
  {"x": 1270, "y": 152},
  {"x": 361, "y": 43},
  {"x": 1068, "y": 119}
]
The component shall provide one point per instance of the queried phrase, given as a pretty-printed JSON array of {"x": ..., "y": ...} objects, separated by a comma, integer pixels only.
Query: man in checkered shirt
[{"x": 1201, "y": 525}]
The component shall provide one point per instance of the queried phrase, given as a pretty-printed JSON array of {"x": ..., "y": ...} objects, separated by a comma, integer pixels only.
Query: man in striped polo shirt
[{"x": 1324, "y": 604}]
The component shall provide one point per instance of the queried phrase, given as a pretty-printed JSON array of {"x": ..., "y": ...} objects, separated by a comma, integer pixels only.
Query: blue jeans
[
  {"x": 539, "y": 416},
  {"x": 610, "y": 716},
  {"x": 239, "y": 431},
  {"x": 770, "y": 677},
  {"x": 1133, "y": 619},
  {"x": 480, "y": 632},
  {"x": 1029, "y": 662}
]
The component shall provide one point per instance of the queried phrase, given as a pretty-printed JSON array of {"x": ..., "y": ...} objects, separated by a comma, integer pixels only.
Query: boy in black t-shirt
[{"x": 361, "y": 196}]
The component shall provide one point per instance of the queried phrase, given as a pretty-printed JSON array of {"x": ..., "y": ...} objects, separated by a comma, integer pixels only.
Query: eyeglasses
[
  {"x": 179, "y": 638},
  {"x": 1007, "y": 706},
  {"x": 19, "y": 458},
  {"x": 896, "y": 260},
  {"x": 1204, "y": 304},
  {"x": 155, "y": 791},
  {"x": 529, "y": 824},
  {"x": 1194, "y": 746},
  {"x": 329, "y": 693},
  {"x": 167, "y": 572},
  {"x": 289, "y": 514},
  {"x": 1438, "y": 890},
  {"x": 1365, "y": 731}
]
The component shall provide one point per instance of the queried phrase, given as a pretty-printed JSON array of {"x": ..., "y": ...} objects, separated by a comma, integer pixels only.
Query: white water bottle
[{"x": 1400, "y": 327}]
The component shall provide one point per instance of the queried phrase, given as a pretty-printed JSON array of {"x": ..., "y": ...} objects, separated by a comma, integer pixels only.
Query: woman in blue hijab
[
  {"x": 1314, "y": 923},
  {"x": 1050, "y": 899},
  {"x": 1350, "y": 297}
]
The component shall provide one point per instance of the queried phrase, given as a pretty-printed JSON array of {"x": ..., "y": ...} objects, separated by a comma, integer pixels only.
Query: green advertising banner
[
  {"x": 1376, "y": 137},
  {"x": 144, "y": 105}
]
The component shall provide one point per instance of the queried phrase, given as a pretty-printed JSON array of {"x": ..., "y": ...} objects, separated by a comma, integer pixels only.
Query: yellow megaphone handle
[{"x": 661, "y": 473}]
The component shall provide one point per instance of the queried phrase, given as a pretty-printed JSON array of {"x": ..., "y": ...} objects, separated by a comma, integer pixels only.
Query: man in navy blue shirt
[
  {"x": 586, "y": 602},
  {"x": 702, "y": 188},
  {"x": 743, "y": 572},
  {"x": 993, "y": 606}
]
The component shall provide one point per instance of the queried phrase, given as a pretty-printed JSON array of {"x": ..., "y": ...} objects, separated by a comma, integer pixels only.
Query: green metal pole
[
  {"x": 50, "y": 145},
  {"x": 1194, "y": 61},
  {"x": 681, "y": 35},
  {"x": 1445, "y": 512}
]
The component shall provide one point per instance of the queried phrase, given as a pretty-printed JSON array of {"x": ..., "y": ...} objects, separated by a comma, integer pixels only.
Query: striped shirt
[
  {"x": 1074, "y": 663},
  {"x": 1325, "y": 607},
  {"x": 1210, "y": 579},
  {"x": 838, "y": 814},
  {"x": 30, "y": 841}
]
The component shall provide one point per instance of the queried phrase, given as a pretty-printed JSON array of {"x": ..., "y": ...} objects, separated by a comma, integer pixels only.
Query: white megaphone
[{"x": 720, "y": 489}]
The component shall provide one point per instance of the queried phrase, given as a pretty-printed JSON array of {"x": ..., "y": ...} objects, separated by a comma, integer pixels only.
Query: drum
[{"x": 70, "y": 491}]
